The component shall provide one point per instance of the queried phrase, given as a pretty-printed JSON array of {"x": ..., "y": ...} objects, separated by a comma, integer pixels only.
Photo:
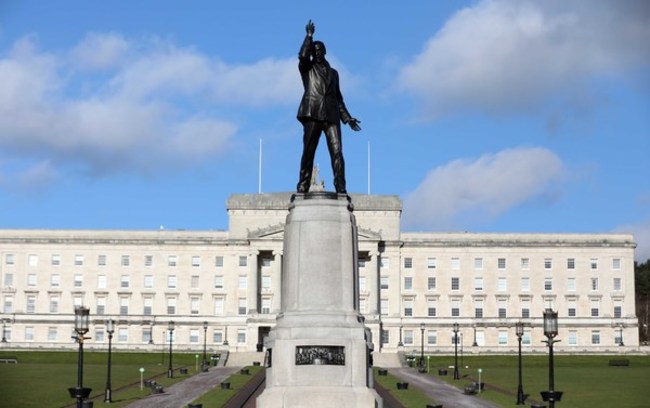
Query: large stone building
[{"x": 413, "y": 286}]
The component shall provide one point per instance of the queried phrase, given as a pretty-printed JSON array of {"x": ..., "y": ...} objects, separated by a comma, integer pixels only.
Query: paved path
[
  {"x": 184, "y": 392},
  {"x": 441, "y": 392}
]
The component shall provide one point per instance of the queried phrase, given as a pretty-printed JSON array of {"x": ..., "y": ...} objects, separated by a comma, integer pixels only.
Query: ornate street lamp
[
  {"x": 4, "y": 331},
  {"x": 400, "y": 343},
  {"x": 456, "y": 374},
  {"x": 422, "y": 348},
  {"x": 205, "y": 339},
  {"x": 521, "y": 398},
  {"x": 550, "y": 331},
  {"x": 225, "y": 338},
  {"x": 620, "y": 327},
  {"x": 110, "y": 328},
  {"x": 81, "y": 324},
  {"x": 170, "y": 329},
  {"x": 475, "y": 344}
]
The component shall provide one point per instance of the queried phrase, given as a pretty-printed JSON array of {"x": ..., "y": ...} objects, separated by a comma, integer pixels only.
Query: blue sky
[{"x": 499, "y": 116}]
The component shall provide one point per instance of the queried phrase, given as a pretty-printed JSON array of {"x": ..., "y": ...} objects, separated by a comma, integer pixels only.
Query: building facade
[{"x": 413, "y": 286}]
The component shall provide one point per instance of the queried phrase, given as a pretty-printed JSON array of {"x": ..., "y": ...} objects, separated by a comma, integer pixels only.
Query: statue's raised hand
[{"x": 310, "y": 28}]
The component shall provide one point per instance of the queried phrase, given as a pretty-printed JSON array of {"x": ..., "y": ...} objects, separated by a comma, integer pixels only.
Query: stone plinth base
[{"x": 313, "y": 397}]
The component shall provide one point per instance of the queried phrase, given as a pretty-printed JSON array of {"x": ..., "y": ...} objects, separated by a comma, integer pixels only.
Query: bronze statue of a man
[{"x": 321, "y": 110}]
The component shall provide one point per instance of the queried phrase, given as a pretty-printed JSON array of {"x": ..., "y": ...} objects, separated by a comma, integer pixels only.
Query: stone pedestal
[{"x": 319, "y": 348}]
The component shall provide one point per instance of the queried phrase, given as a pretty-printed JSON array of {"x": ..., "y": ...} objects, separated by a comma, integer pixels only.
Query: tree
[{"x": 642, "y": 289}]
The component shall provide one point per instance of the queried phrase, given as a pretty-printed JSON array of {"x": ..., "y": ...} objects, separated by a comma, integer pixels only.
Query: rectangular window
[
  {"x": 384, "y": 263},
  {"x": 171, "y": 261},
  {"x": 362, "y": 283},
  {"x": 78, "y": 260},
  {"x": 148, "y": 281},
  {"x": 572, "y": 305},
  {"x": 408, "y": 283},
  {"x": 101, "y": 260},
  {"x": 408, "y": 337},
  {"x": 455, "y": 308},
  {"x": 218, "y": 306},
  {"x": 385, "y": 336},
  {"x": 432, "y": 337},
  {"x": 478, "y": 284},
  {"x": 571, "y": 263},
  {"x": 32, "y": 280},
  {"x": 478, "y": 263},
  {"x": 101, "y": 281},
  {"x": 594, "y": 284},
  {"x": 266, "y": 305},
  {"x": 243, "y": 261},
  {"x": 99, "y": 335},
  {"x": 241, "y": 336},
  {"x": 548, "y": 263},
  {"x": 194, "y": 336},
  {"x": 361, "y": 263},
  {"x": 593, "y": 264},
  {"x": 383, "y": 306},
  {"x": 455, "y": 264},
  {"x": 196, "y": 261},
  {"x": 124, "y": 281},
  {"x": 9, "y": 279},
  {"x": 480, "y": 338},
  {"x": 432, "y": 263},
  {"x": 618, "y": 311},
  {"x": 502, "y": 284},
  {"x": 266, "y": 283},
  {"x": 217, "y": 337},
  {"x": 243, "y": 282},
  {"x": 503, "y": 337},
  {"x": 56, "y": 260},
  {"x": 171, "y": 281},
  {"x": 408, "y": 307},
  {"x": 9, "y": 259},
  {"x": 55, "y": 280},
  {"x": 146, "y": 335},
  {"x": 78, "y": 280},
  {"x": 595, "y": 308},
  {"x": 194, "y": 305},
  {"x": 363, "y": 302},
  {"x": 408, "y": 263},
  {"x": 548, "y": 284},
  {"x": 383, "y": 282},
  {"x": 52, "y": 333},
  {"x": 101, "y": 306},
  {"x": 242, "y": 307},
  {"x": 431, "y": 283},
  {"x": 525, "y": 284},
  {"x": 501, "y": 263},
  {"x": 54, "y": 304},
  {"x": 265, "y": 262},
  {"x": 525, "y": 309},
  {"x": 455, "y": 283},
  {"x": 616, "y": 263},
  {"x": 595, "y": 337},
  {"x": 31, "y": 304},
  {"x": 616, "y": 285},
  {"x": 32, "y": 260},
  {"x": 218, "y": 261},
  {"x": 218, "y": 282},
  {"x": 171, "y": 306},
  {"x": 503, "y": 308},
  {"x": 148, "y": 260},
  {"x": 8, "y": 305},
  {"x": 29, "y": 333},
  {"x": 123, "y": 335},
  {"x": 431, "y": 308},
  {"x": 194, "y": 281},
  {"x": 124, "y": 306},
  {"x": 126, "y": 260},
  {"x": 478, "y": 309},
  {"x": 147, "y": 306},
  {"x": 573, "y": 338},
  {"x": 525, "y": 263},
  {"x": 571, "y": 284}
]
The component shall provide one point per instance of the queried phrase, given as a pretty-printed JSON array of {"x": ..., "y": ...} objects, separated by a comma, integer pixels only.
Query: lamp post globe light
[
  {"x": 456, "y": 374},
  {"x": 81, "y": 325},
  {"x": 110, "y": 329},
  {"x": 550, "y": 331},
  {"x": 421, "y": 369},
  {"x": 519, "y": 331},
  {"x": 205, "y": 339},
  {"x": 170, "y": 329}
]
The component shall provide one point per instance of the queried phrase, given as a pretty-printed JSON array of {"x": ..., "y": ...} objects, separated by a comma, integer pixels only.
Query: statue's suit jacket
[{"x": 322, "y": 100}]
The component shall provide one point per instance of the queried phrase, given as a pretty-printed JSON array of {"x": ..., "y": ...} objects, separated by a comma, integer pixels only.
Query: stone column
[
  {"x": 253, "y": 279},
  {"x": 372, "y": 280}
]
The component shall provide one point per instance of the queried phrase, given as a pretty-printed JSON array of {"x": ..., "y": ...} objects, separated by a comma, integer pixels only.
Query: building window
[
  {"x": 101, "y": 260},
  {"x": 9, "y": 279},
  {"x": 361, "y": 263},
  {"x": 171, "y": 261},
  {"x": 56, "y": 260},
  {"x": 616, "y": 263},
  {"x": 385, "y": 336},
  {"x": 171, "y": 281},
  {"x": 548, "y": 284},
  {"x": 432, "y": 337},
  {"x": 32, "y": 260},
  {"x": 101, "y": 306},
  {"x": 266, "y": 262},
  {"x": 478, "y": 284},
  {"x": 525, "y": 339},
  {"x": 8, "y": 305},
  {"x": 502, "y": 284},
  {"x": 595, "y": 337},
  {"x": 408, "y": 337},
  {"x": 548, "y": 263},
  {"x": 101, "y": 281},
  {"x": 29, "y": 333},
  {"x": 503, "y": 338},
  {"x": 431, "y": 263},
  {"x": 572, "y": 305},
  {"x": 408, "y": 307},
  {"x": 148, "y": 260},
  {"x": 525, "y": 284},
  {"x": 78, "y": 260},
  {"x": 54, "y": 304},
  {"x": 126, "y": 260},
  {"x": 218, "y": 306},
  {"x": 478, "y": 309},
  {"x": 455, "y": 283},
  {"x": 362, "y": 283},
  {"x": 196, "y": 261},
  {"x": 383, "y": 307},
  {"x": 525, "y": 263},
  {"x": 32, "y": 280},
  {"x": 171, "y": 306},
  {"x": 124, "y": 306},
  {"x": 408, "y": 263},
  {"x": 99, "y": 335},
  {"x": 218, "y": 261},
  {"x": 243, "y": 261},
  {"x": 431, "y": 308},
  {"x": 123, "y": 335},
  {"x": 218, "y": 282},
  {"x": 217, "y": 337},
  {"x": 148, "y": 281},
  {"x": 363, "y": 305},
  {"x": 241, "y": 336},
  {"x": 478, "y": 263},
  {"x": 243, "y": 282},
  {"x": 455, "y": 308},
  {"x": 242, "y": 307},
  {"x": 124, "y": 281},
  {"x": 595, "y": 308},
  {"x": 266, "y": 305},
  {"x": 147, "y": 306},
  {"x": 194, "y": 281},
  {"x": 266, "y": 283},
  {"x": 431, "y": 283},
  {"x": 384, "y": 263},
  {"x": 194, "y": 336},
  {"x": 616, "y": 285},
  {"x": 455, "y": 264},
  {"x": 383, "y": 282},
  {"x": 503, "y": 308},
  {"x": 573, "y": 338},
  {"x": 571, "y": 263},
  {"x": 525, "y": 309},
  {"x": 31, "y": 304},
  {"x": 146, "y": 335},
  {"x": 52, "y": 333},
  {"x": 78, "y": 281},
  {"x": 593, "y": 264},
  {"x": 594, "y": 284},
  {"x": 194, "y": 305},
  {"x": 55, "y": 280},
  {"x": 9, "y": 259},
  {"x": 501, "y": 263},
  {"x": 571, "y": 284},
  {"x": 408, "y": 283}
]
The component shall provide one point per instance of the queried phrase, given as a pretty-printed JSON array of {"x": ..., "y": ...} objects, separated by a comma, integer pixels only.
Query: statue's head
[{"x": 319, "y": 51}]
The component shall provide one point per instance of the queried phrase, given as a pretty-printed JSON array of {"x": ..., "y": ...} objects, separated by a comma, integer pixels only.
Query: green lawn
[
  {"x": 587, "y": 381},
  {"x": 218, "y": 397},
  {"x": 410, "y": 398}
]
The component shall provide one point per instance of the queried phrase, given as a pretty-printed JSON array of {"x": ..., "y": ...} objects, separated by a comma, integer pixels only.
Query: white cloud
[
  {"x": 481, "y": 188},
  {"x": 504, "y": 56},
  {"x": 103, "y": 108},
  {"x": 641, "y": 232}
]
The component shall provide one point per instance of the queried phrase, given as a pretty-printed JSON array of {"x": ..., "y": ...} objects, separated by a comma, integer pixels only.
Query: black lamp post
[
  {"x": 550, "y": 331},
  {"x": 422, "y": 348},
  {"x": 225, "y": 339},
  {"x": 170, "y": 329},
  {"x": 521, "y": 398},
  {"x": 110, "y": 328},
  {"x": 456, "y": 374},
  {"x": 475, "y": 344},
  {"x": 620, "y": 327},
  {"x": 4, "y": 331},
  {"x": 81, "y": 324},
  {"x": 400, "y": 343},
  {"x": 205, "y": 339}
]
